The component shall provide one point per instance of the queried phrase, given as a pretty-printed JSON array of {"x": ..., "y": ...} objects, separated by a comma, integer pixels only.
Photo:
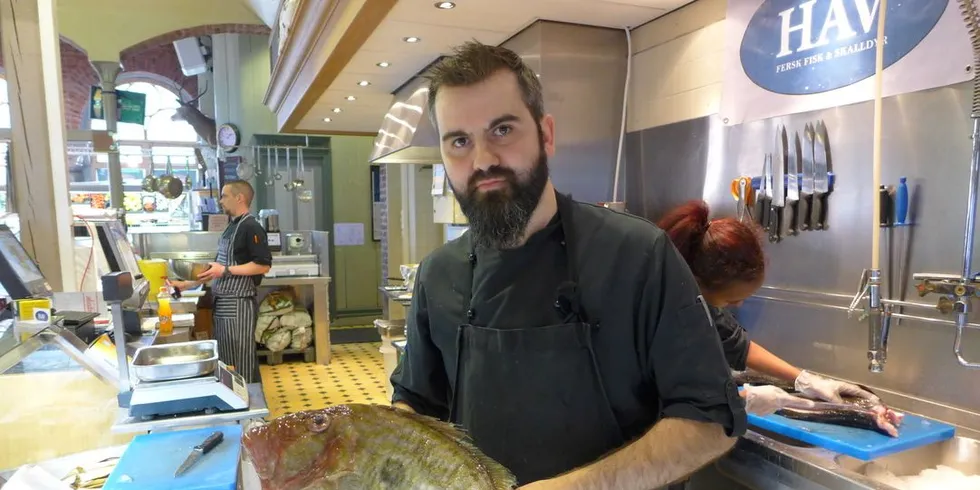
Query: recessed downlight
[
  {"x": 411, "y": 39},
  {"x": 327, "y": 119},
  {"x": 351, "y": 98},
  {"x": 336, "y": 110},
  {"x": 383, "y": 64},
  {"x": 445, "y": 5},
  {"x": 364, "y": 83}
]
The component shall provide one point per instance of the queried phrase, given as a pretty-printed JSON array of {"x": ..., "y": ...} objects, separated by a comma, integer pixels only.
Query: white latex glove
[
  {"x": 764, "y": 400},
  {"x": 830, "y": 390}
]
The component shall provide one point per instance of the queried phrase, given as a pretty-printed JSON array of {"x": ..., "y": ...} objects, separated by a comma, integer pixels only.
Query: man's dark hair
[
  {"x": 239, "y": 187},
  {"x": 473, "y": 62}
]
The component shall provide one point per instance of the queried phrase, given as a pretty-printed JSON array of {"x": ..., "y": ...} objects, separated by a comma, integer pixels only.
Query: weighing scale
[
  {"x": 223, "y": 390},
  {"x": 219, "y": 390}
]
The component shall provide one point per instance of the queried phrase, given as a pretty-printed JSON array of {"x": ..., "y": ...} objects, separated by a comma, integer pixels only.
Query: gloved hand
[
  {"x": 764, "y": 400},
  {"x": 830, "y": 390}
]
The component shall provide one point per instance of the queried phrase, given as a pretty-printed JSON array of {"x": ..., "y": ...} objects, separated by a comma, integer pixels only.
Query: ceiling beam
[{"x": 325, "y": 35}]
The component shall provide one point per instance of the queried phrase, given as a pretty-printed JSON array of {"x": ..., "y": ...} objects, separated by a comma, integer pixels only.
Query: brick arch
[
  {"x": 197, "y": 31},
  {"x": 161, "y": 60}
]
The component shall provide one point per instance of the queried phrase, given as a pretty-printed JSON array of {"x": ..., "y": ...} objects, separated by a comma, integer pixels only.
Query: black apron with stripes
[{"x": 235, "y": 312}]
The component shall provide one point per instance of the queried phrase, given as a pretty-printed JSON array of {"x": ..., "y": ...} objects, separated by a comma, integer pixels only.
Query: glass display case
[{"x": 58, "y": 400}]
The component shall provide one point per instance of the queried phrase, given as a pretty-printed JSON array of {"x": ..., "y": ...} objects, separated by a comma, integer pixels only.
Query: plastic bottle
[{"x": 165, "y": 312}]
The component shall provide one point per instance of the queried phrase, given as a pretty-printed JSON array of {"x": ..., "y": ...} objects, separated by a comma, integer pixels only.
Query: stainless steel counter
[
  {"x": 398, "y": 294},
  {"x": 321, "y": 309},
  {"x": 767, "y": 461},
  {"x": 764, "y": 461},
  {"x": 257, "y": 407}
]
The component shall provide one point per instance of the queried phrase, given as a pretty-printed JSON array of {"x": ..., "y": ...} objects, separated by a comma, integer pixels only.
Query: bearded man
[{"x": 570, "y": 341}]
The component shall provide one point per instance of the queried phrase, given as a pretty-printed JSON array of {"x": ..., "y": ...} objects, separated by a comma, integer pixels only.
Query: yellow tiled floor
[{"x": 355, "y": 375}]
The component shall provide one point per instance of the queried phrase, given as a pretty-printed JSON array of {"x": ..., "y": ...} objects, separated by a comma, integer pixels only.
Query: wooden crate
[{"x": 275, "y": 358}]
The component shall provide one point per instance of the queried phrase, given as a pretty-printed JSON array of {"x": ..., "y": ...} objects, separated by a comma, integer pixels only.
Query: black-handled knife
[
  {"x": 199, "y": 451},
  {"x": 776, "y": 225},
  {"x": 763, "y": 198},
  {"x": 821, "y": 182},
  {"x": 777, "y": 166},
  {"x": 806, "y": 178}
]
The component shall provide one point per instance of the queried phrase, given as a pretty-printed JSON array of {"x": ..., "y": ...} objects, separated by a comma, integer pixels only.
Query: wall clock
[{"x": 229, "y": 137}]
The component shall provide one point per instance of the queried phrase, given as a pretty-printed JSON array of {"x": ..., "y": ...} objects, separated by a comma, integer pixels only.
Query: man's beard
[{"x": 499, "y": 217}]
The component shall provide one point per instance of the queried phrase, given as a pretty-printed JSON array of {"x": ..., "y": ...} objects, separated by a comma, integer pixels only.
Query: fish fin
[{"x": 502, "y": 478}]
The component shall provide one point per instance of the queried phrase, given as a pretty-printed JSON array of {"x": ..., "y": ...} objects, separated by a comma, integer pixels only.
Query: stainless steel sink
[{"x": 960, "y": 453}]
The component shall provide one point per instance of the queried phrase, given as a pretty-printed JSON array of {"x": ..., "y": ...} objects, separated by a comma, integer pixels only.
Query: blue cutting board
[
  {"x": 150, "y": 461},
  {"x": 858, "y": 443}
]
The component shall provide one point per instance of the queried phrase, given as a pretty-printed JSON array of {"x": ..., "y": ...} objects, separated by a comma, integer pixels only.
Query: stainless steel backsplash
[{"x": 926, "y": 137}]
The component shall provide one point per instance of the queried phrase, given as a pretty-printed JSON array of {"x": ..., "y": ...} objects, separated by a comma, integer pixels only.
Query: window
[
  {"x": 158, "y": 127},
  {"x": 161, "y": 104}
]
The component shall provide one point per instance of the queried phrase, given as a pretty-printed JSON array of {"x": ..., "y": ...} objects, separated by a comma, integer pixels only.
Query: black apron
[{"x": 532, "y": 398}]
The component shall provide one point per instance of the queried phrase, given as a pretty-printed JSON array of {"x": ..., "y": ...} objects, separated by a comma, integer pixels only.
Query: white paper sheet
[{"x": 348, "y": 234}]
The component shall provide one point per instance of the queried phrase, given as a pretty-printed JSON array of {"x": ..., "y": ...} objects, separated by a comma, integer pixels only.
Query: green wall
[{"x": 356, "y": 269}]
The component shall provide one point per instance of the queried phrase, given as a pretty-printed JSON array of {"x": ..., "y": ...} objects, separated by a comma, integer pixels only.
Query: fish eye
[{"x": 319, "y": 423}]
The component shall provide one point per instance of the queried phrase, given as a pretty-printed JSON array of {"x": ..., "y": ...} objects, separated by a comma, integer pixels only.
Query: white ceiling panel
[
  {"x": 434, "y": 38},
  {"x": 488, "y": 21}
]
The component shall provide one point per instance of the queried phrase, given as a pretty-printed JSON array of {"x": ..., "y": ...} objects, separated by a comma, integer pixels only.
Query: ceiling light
[
  {"x": 384, "y": 64},
  {"x": 364, "y": 83},
  {"x": 411, "y": 39},
  {"x": 351, "y": 98},
  {"x": 445, "y": 5},
  {"x": 336, "y": 110},
  {"x": 327, "y": 119}
]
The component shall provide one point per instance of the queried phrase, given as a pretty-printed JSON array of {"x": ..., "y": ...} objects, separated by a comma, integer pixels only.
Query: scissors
[{"x": 744, "y": 197}]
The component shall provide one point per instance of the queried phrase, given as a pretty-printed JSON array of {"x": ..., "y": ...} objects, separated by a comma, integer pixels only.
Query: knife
[
  {"x": 806, "y": 179},
  {"x": 762, "y": 198},
  {"x": 778, "y": 169},
  {"x": 199, "y": 451},
  {"x": 821, "y": 184},
  {"x": 793, "y": 165}
]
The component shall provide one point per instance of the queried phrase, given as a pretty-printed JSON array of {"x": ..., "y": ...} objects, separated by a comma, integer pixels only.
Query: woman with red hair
[{"x": 725, "y": 256}]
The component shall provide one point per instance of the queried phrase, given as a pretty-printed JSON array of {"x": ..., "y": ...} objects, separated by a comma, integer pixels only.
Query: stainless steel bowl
[
  {"x": 186, "y": 269},
  {"x": 182, "y": 360}
]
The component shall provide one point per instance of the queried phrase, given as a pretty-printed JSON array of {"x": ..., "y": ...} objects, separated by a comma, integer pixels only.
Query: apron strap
[{"x": 568, "y": 295}]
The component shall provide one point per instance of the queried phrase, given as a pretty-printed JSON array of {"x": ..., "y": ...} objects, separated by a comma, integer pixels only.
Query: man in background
[{"x": 243, "y": 259}]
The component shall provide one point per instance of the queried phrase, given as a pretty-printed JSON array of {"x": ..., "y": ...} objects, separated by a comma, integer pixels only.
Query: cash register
[
  {"x": 120, "y": 257},
  {"x": 22, "y": 279}
]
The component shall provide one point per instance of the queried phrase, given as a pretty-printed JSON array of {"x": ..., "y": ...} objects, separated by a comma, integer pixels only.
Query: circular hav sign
[{"x": 798, "y": 47}]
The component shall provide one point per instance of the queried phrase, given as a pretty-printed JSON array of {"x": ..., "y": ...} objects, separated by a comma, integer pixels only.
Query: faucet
[
  {"x": 879, "y": 317},
  {"x": 956, "y": 295}
]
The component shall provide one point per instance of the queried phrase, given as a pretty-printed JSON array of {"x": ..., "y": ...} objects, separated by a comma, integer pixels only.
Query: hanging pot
[
  {"x": 169, "y": 186},
  {"x": 150, "y": 181}
]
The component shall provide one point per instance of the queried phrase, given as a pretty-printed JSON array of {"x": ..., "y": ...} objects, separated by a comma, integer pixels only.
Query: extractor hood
[{"x": 407, "y": 134}]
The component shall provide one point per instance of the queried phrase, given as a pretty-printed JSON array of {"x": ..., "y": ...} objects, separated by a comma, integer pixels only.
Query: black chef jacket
[
  {"x": 657, "y": 351},
  {"x": 734, "y": 339}
]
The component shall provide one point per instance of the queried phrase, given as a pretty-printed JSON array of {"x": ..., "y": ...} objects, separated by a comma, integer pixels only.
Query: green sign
[{"x": 130, "y": 106}]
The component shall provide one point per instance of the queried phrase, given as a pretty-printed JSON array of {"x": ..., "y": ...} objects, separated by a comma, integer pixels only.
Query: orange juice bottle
[{"x": 165, "y": 312}]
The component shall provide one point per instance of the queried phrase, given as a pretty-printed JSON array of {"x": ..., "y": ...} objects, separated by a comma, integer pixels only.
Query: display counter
[
  {"x": 56, "y": 409},
  {"x": 50, "y": 414}
]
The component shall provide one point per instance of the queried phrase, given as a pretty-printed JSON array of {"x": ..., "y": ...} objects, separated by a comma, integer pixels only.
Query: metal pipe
[
  {"x": 119, "y": 334},
  {"x": 903, "y": 316},
  {"x": 885, "y": 301},
  {"x": 971, "y": 203},
  {"x": 961, "y": 321},
  {"x": 879, "y": 320}
]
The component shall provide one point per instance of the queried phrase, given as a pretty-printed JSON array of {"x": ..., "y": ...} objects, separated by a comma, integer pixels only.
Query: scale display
[
  {"x": 19, "y": 274},
  {"x": 22, "y": 264},
  {"x": 126, "y": 255}
]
